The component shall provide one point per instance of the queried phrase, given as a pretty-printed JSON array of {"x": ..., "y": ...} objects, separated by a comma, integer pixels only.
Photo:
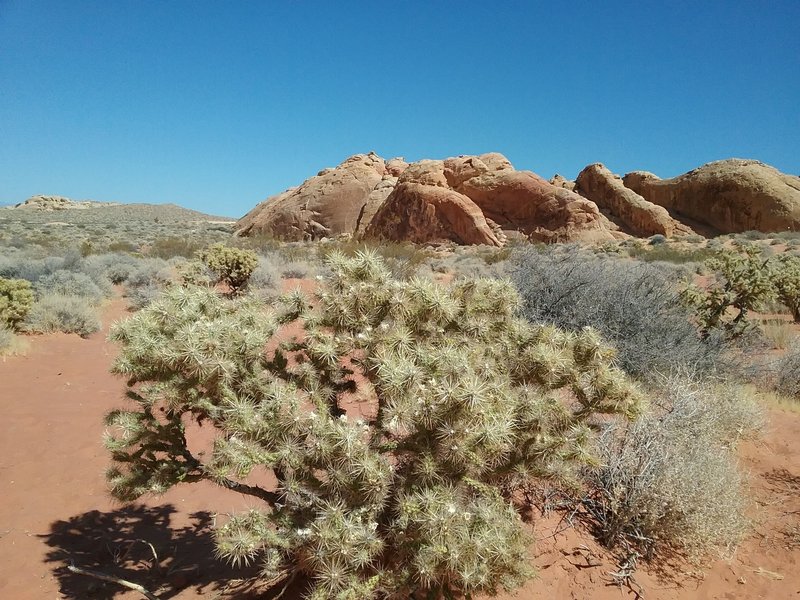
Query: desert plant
[
  {"x": 786, "y": 278},
  {"x": 147, "y": 281},
  {"x": 69, "y": 314},
  {"x": 233, "y": 266},
  {"x": 669, "y": 482},
  {"x": 16, "y": 299},
  {"x": 788, "y": 382},
  {"x": 69, "y": 283},
  {"x": 633, "y": 305},
  {"x": 468, "y": 401},
  {"x": 742, "y": 282}
]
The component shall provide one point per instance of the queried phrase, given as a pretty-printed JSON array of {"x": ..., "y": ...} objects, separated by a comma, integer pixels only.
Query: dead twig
[{"x": 103, "y": 577}]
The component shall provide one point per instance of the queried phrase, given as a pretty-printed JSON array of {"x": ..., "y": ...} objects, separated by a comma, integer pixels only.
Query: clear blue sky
[{"x": 217, "y": 105}]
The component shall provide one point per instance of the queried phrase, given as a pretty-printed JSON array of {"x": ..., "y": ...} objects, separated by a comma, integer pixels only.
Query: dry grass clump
[
  {"x": 779, "y": 334},
  {"x": 669, "y": 483},
  {"x": 788, "y": 382},
  {"x": 10, "y": 343}
]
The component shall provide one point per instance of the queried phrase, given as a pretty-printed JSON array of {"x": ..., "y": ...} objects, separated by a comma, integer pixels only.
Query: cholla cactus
[
  {"x": 233, "y": 266},
  {"x": 743, "y": 282},
  {"x": 786, "y": 277},
  {"x": 469, "y": 402},
  {"x": 16, "y": 299}
]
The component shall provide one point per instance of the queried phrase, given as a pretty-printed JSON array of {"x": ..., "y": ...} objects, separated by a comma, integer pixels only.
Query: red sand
[{"x": 54, "y": 506}]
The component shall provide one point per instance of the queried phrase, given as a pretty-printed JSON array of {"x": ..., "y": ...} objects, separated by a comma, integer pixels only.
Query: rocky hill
[
  {"x": 45, "y": 208},
  {"x": 485, "y": 200}
]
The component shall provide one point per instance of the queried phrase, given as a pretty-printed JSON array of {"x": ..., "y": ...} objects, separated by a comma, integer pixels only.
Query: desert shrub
[
  {"x": 742, "y": 282},
  {"x": 69, "y": 314},
  {"x": 266, "y": 278},
  {"x": 194, "y": 272},
  {"x": 115, "y": 267},
  {"x": 69, "y": 283},
  {"x": 7, "y": 340},
  {"x": 147, "y": 282},
  {"x": 636, "y": 306},
  {"x": 402, "y": 259},
  {"x": 788, "y": 381},
  {"x": 296, "y": 270},
  {"x": 670, "y": 254},
  {"x": 122, "y": 246},
  {"x": 170, "y": 247},
  {"x": 786, "y": 279},
  {"x": 669, "y": 483},
  {"x": 232, "y": 266},
  {"x": 468, "y": 400},
  {"x": 16, "y": 299},
  {"x": 657, "y": 240},
  {"x": 753, "y": 235}
]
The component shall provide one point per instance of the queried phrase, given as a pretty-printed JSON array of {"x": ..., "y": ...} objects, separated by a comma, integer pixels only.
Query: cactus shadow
[{"x": 140, "y": 544}]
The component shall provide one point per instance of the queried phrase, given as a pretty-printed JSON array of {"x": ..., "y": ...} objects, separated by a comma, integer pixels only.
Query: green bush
[
  {"x": 742, "y": 282},
  {"x": 69, "y": 314},
  {"x": 786, "y": 278},
  {"x": 470, "y": 402},
  {"x": 16, "y": 299},
  {"x": 233, "y": 266}
]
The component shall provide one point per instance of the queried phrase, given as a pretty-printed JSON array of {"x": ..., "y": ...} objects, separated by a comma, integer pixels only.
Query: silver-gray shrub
[
  {"x": 34, "y": 268},
  {"x": 69, "y": 314},
  {"x": 147, "y": 281},
  {"x": 669, "y": 483},
  {"x": 635, "y": 306},
  {"x": 70, "y": 283},
  {"x": 116, "y": 267}
]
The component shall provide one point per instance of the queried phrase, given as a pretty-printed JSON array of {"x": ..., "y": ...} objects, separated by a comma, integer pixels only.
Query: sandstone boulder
[
  {"x": 637, "y": 215},
  {"x": 422, "y": 208},
  {"x": 523, "y": 201},
  {"x": 562, "y": 182},
  {"x": 323, "y": 206},
  {"x": 730, "y": 196}
]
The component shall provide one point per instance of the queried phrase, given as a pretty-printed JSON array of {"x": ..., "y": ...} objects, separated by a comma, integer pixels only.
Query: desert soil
[{"x": 54, "y": 508}]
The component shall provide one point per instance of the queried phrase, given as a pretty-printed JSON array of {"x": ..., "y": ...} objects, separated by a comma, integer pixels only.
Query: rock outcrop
[
  {"x": 52, "y": 203},
  {"x": 336, "y": 201},
  {"x": 422, "y": 208},
  {"x": 523, "y": 201},
  {"x": 473, "y": 199},
  {"x": 730, "y": 196},
  {"x": 562, "y": 182},
  {"x": 638, "y": 216}
]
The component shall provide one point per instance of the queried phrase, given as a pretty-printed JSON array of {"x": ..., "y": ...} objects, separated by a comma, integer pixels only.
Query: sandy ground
[{"x": 54, "y": 508}]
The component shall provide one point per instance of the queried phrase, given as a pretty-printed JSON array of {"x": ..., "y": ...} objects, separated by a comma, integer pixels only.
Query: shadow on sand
[{"x": 137, "y": 543}]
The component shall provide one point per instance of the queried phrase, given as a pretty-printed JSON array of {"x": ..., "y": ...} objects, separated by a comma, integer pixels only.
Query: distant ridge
[{"x": 59, "y": 205}]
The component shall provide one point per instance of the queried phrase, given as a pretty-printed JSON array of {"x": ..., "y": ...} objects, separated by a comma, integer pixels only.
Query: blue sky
[{"x": 217, "y": 105}]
